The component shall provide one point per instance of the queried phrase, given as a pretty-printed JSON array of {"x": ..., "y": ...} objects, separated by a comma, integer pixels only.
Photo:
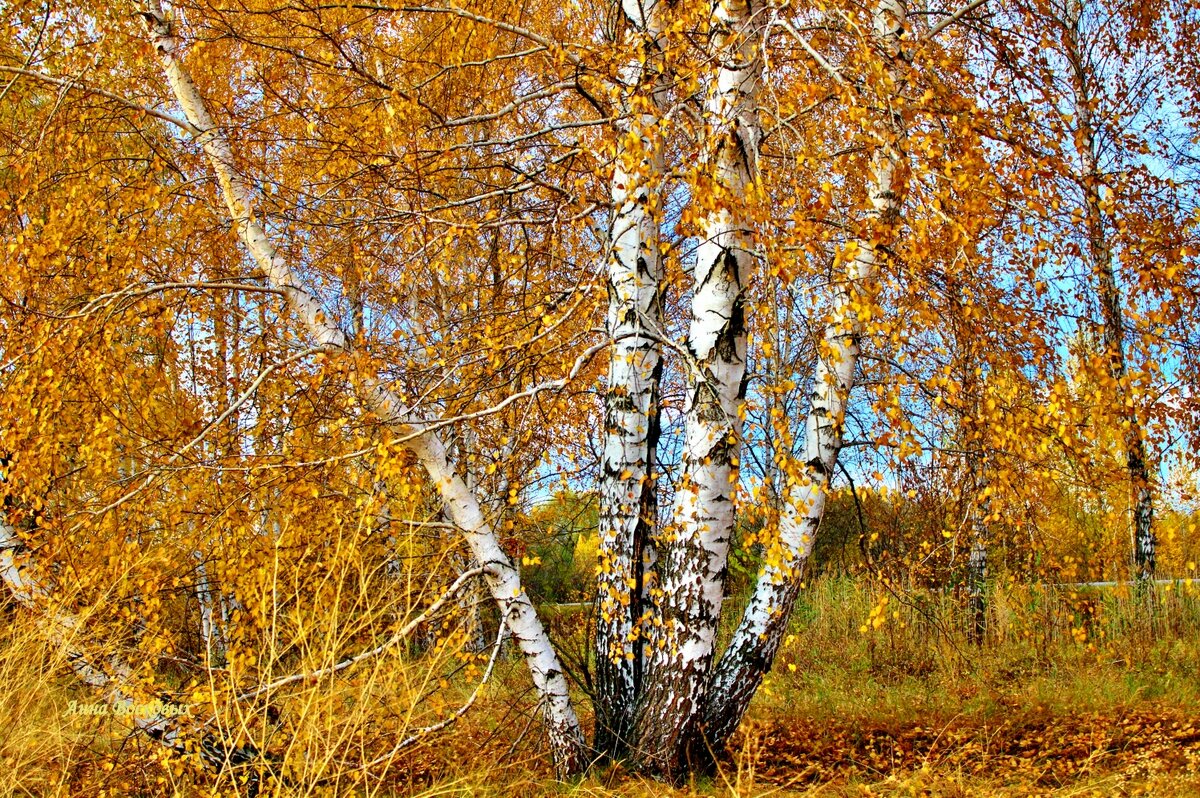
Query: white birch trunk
[
  {"x": 977, "y": 586},
  {"x": 470, "y": 599},
  {"x": 631, "y": 414},
  {"x": 764, "y": 621},
  {"x": 562, "y": 725},
  {"x": 212, "y": 634},
  {"x": 695, "y": 549}
]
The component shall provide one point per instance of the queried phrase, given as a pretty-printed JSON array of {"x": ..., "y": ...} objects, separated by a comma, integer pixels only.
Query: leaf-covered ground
[
  {"x": 1027, "y": 751},
  {"x": 1147, "y": 748}
]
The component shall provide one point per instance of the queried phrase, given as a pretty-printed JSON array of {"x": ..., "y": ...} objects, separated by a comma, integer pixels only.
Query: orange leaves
[
  {"x": 1027, "y": 748},
  {"x": 879, "y": 615},
  {"x": 437, "y": 180}
]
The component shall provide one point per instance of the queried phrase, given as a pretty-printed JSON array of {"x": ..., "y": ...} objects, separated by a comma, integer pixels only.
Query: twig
[
  {"x": 407, "y": 630},
  {"x": 76, "y": 85},
  {"x": 950, "y": 20},
  {"x": 426, "y": 730}
]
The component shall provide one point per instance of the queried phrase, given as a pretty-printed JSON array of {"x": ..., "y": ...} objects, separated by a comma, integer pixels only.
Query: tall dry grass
[
  {"x": 278, "y": 708},
  {"x": 858, "y": 652}
]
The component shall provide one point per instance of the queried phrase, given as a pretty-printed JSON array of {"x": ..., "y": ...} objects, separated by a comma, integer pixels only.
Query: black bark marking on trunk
[
  {"x": 732, "y": 684},
  {"x": 735, "y": 327},
  {"x": 977, "y": 598},
  {"x": 618, "y": 685},
  {"x": 619, "y": 401},
  {"x": 706, "y": 402}
]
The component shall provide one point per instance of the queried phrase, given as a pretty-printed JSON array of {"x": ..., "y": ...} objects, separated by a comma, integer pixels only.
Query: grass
[{"x": 1073, "y": 693}]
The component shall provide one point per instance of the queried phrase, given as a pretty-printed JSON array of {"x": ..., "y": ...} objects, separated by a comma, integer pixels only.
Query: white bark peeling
[
  {"x": 566, "y": 736},
  {"x": 696, "y": 548},
  {"x": 631, "y": 413},
  {"x": 764, "y": 621}
]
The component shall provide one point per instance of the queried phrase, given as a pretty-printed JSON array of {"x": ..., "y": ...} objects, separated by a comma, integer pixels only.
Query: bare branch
[
  {"x": 495, "y": 23},
  {"x": 404, "y": 632},
  {"x": 427, "y": 730},
  {"x": 73, "y": 84},
  {"x": 950, "y": 20}
]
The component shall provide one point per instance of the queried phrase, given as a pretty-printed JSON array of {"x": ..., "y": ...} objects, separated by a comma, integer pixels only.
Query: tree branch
[{"x": 74, "y": 84}]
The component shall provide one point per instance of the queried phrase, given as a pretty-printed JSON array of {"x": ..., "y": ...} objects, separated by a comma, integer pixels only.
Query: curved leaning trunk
[
  {"x": 628, "y": 507},
  {"x": 562, "y": 725},
  {"x": 757, "y": 638},
  {"x": 695, "y": 548}
]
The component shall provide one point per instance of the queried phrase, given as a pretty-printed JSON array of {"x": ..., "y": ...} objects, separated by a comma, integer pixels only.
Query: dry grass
[{"x": 1073, "y": 694}]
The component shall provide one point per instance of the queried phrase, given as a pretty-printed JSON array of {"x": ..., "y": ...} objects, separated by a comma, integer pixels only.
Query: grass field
[{"x": 1075, "y": 692}]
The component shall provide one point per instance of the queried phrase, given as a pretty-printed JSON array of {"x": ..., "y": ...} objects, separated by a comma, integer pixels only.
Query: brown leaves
[{"x": 1022, "y": 745}]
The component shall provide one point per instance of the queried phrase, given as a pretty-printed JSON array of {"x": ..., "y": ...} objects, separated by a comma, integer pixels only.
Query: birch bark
[
  {"x": 628, "y": 507},
  {"x": 212, "y": 630},
  {"x": 1112, "y": 315},
  {"x": 695, "y": 547},
  {"x": 974, "y": 438},
  {"x": 977, "y": 585},
  {"x": 764, "y": 621},
  {"x": 562, "y": 725},
  {"x": 979, "y": 470}
]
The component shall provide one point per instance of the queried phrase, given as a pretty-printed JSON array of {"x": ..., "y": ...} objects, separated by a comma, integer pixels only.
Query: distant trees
[{"x": 1107, "y": 157}]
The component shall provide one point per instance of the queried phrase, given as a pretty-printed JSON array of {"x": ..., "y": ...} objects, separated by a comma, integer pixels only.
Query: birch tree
[
  {"x": 1096, "y": 105},
  {"x": 461, "y": 505},
  {"x": 695, "y": 546},
  {"x": 766, "y": 616},
  {"x": 628, "y": 508},
  {"x": 427, "y": 238}
]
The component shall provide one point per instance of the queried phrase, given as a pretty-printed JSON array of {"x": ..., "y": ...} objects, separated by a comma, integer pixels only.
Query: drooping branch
[
  {"x": 71, "y": 84},
  {"x": 419, "y": 734},
  {"x": 399, "y": 636}
]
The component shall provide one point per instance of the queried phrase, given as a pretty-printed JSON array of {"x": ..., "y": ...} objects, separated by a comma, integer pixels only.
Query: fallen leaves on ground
[{"x": 1026, "y": 746}]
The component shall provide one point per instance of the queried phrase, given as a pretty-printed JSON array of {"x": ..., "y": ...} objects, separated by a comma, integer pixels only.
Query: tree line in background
[{"x": 315, "y": 314}]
